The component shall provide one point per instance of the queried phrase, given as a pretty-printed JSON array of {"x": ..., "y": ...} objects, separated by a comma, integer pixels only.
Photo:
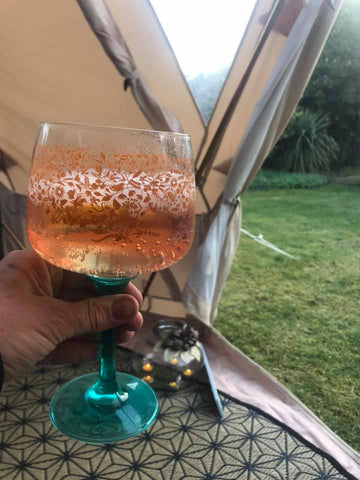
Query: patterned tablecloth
[{"x": 187, "y": 441}]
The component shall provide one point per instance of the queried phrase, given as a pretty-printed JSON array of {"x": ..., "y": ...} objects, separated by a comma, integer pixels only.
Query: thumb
[{"x": 97, "y": 314}]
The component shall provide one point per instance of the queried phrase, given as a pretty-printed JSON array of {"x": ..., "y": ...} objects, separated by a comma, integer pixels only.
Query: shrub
[
  {"x": 305, "y": 146},
  {"x": 271, "y": 179}
]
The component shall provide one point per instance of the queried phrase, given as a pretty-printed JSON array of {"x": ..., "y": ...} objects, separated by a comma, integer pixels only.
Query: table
[{"x": 187, "y": 441}]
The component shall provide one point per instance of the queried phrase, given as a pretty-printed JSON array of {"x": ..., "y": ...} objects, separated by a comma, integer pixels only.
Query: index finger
[
  {"x": 135, "y": 292},
  {"x": 77, "y": 281},
  {"x": 76, "y": 286}
]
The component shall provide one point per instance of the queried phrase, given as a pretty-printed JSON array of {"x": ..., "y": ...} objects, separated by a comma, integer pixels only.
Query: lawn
[{"x": 300, "y": 319}]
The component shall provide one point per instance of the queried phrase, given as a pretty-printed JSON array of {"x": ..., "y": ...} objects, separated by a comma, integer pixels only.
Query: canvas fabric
[
  {"x": 105, "y": 28},
  {"x": 55, "y": 69},
  {"x": 270, "y": 116}
]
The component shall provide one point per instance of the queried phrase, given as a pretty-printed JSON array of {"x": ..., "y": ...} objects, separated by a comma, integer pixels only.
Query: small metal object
[
  {"x": 214, "y": 391},
  {"x": 172, "y": 355}
]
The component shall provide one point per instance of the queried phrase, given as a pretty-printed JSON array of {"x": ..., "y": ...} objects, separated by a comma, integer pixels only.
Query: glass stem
[
  {"x": 106, "y": 394},
  {"x": 107, "y": 357}
]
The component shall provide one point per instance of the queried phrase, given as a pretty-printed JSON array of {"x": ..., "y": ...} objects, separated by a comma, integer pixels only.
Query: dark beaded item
[{"x": 181, "y": 339}]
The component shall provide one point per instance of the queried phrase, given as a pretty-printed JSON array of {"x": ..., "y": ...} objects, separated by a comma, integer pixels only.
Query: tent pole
[
  {"x": 209, "y": 157},
  {"x": 148, "y": 284},
  {"x": 206, "y": 131},
  {"x": 12, "y": 235},
  {"x": 215, "y": 143},
  {"x": 3, "y": 168}
]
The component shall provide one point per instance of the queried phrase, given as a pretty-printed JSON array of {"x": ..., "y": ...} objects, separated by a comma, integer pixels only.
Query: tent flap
[
  {"x": 106, "y": 30},
  {"x": 204, "y": 285},
  {"x": 269, "y": 117}
]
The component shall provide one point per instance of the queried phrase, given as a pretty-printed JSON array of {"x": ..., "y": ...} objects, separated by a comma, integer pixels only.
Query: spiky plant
[{"x": 306, "y": 146}]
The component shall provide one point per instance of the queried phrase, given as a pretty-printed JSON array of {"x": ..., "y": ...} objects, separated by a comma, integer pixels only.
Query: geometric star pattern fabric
[{"x": 188, "y": 441}]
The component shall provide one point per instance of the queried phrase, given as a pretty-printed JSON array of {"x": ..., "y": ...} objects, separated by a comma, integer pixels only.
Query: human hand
[{"x": 49, "y": 315}]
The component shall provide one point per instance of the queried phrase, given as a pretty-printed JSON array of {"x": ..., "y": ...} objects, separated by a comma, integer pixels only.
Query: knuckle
[{"x": 96, "y": 315}]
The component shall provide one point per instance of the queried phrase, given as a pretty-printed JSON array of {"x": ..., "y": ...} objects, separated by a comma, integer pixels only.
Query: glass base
[{"x": 72, "y": 416}]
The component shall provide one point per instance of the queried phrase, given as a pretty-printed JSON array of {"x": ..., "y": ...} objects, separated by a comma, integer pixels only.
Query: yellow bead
[
  {"x": 188, "y": 372},
  {"x": 147, "y": 367},
  {"x": 173, "y": 384},
  {"x": 174, "y": 361},
  {"x": 148, "y": 378}
]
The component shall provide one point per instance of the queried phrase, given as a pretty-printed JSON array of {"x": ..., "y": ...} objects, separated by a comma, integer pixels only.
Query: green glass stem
[{"x": 105, "y": 394}]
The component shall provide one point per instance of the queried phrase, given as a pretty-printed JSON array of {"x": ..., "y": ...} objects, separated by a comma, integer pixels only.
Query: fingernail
[{"x": 123, "y": 308}]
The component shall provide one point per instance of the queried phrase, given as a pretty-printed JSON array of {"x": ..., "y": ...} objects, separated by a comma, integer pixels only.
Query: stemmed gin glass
[{"x": 111, "y": 203}]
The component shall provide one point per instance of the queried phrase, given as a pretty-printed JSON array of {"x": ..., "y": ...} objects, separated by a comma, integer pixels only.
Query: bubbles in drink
[{"x": 100, "y": 220}]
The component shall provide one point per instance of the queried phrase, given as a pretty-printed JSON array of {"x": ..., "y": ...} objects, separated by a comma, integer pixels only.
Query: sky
[{"x": 204, "y": 34}]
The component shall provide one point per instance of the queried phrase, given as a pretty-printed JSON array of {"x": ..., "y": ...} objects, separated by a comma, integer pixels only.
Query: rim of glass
[{"x": 107, "y": 127}]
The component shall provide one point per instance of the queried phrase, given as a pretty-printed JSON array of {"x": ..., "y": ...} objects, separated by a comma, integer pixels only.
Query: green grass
[{"x": 300, "y": 319}]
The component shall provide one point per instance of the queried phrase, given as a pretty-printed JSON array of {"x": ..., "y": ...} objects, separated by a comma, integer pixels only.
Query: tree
[
  {"x": 206, "y": 88},
  {"x": 334, "y": 87}
]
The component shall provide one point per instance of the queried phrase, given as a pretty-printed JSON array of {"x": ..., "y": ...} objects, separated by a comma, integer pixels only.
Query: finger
[
  {"x": 76, "y": 288},
  {"x": 123, "y": 336},
  {"x": 134, "y": 324},
  {"x": 91, "y": 315},
  {"x": 75, "y": 295},
  {"x": 135, "y": 292},
  {"x": 130, "y": 327},
  {"x": 77, "y": 281},
  {"x": 24, "y": 270}
]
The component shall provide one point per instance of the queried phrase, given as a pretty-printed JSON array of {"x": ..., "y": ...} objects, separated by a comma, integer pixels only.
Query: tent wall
[
  {"x": 54, "y": 69},
  {"x": 258, "y": 78},
  {"x": 160, "y": 298},
  {"x": 156, "y": 61},
  {"x": 63, "y": 78}
]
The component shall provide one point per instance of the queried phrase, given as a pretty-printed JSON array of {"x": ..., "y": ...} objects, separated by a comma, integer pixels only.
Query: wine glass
[{"x": 111, "y": 203}]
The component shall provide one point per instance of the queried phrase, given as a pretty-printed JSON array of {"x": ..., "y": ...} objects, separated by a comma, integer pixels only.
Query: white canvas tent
[{"x": 64, "y": 61}]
